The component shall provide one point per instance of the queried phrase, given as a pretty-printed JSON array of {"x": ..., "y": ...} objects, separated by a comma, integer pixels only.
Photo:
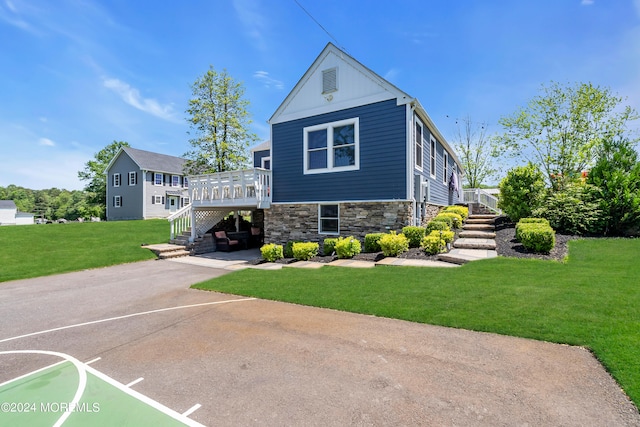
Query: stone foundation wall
[{"x": 284, "y": 223}]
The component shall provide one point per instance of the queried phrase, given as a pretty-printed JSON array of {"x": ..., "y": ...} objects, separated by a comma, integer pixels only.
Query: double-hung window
[
  {"x": 175, "y": 181},
  {"x": 328, "y": 219},
  {"x": 185, "y": 182},
  {"x": 133, "y": 178},
  {"x": 445, "y": 166},
  {"x": 116, "y": 180},
  {"x": 433, "y": 158},
  {"x": 418, "y": 143},
  {"x": 157, "y": 179},
  {"x": 332, "y": 147},
  {"x": 117, "y": 201}
]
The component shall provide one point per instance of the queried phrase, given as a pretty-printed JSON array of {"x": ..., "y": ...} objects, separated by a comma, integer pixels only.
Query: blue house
[
  {"x": 349, "y": 154},
  {"x": 352, "y": 154}
]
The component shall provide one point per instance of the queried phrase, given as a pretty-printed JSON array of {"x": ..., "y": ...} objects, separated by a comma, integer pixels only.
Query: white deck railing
[
  {"x": 478, "y": 195},
  {"x": 251, "y": 187},
  {"x": 180, "y": 221}
]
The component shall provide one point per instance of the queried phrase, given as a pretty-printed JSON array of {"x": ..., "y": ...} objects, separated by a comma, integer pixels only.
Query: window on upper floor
[
  {"x": 445, "y": 166},
  {"x": 175, "y": 181},
  {"x": 330, "y": 80},
  {"x": 332, "y": 147},
  {"x": 116, "y": 180},
  {"x": 133, "y": 178},
  {"x": 265, "y": 163},
  {"x": 117, "y": 201},
  {"x": 432, "y": 151},
  {"x": 329, "y": 219},
  {"x": 158, "y": 179},
  {"x": 185, "y": 182},
  {"x": 418, "y": 144}
]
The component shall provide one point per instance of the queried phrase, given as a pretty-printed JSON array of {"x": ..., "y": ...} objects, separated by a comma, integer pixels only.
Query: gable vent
[{"x": 330, "y": 80}]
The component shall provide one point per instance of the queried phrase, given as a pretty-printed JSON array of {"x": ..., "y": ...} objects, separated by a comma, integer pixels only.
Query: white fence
[{"x": 478, "y": 195}]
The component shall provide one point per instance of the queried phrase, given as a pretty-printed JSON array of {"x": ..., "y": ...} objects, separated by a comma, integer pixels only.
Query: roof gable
[
  {"x": 355, "y": 85},
  {"x": 150, "y": 161},
  {"x": 8, "y": 204}
]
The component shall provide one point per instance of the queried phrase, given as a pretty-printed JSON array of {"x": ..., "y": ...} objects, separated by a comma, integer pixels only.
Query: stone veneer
[{"x": 286, "y": 222}]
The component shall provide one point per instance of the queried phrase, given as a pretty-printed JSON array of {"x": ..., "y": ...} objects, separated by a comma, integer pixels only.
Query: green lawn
[
  {"x": 593, "y": 300},
  {"x": 42, "y": 250}
]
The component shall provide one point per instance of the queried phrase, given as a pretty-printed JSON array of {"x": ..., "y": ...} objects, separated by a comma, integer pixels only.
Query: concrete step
[
  {"x": 168, "y": 250},
  {"x": 480, "y": 220},
  {"x": 477, "y": 234},
  {"x": 474, "y": 243},
  {"x": 174, "y": 254},
  {"x": 483, "y": 216},
  {"x": 478, "y": 227},
  {"x": 462, "y": 256}
]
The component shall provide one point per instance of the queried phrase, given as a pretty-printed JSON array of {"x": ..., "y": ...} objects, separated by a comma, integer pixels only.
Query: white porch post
[{"x": 193, "y": 225}]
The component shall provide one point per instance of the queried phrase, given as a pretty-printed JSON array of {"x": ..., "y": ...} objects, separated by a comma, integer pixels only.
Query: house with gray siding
[
  {"x": 10, "y": 215},
  {"x": 353, "y": 154},
  {"x": 143, "y": 184}
]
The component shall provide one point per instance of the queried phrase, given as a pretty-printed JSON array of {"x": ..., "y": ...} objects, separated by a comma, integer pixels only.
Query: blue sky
[{"x": 75, "y": 75}]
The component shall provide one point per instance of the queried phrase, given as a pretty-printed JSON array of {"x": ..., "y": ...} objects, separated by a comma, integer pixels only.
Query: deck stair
[
  {"x": 168, "y": 250},
  {"x": 475, "y": 241}
]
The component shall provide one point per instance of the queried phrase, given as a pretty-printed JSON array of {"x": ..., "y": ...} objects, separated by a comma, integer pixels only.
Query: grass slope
[
  {"x": 593, "y": 300},
  {"x": 42, "y": 250}
]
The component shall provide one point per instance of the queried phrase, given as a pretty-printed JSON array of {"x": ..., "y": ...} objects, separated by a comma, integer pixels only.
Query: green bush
[
  {"x": 372, "y": 242},
  {"x": 529, "y": 221},
  {"x": 433, "y": 243},
  {"x": 329, "y": 245},
  {"x": 571, "y": 209},
  {"x": 414, "y": 235},
  {"x": 447, "y": 236},
  {"x": 537, "y": 237},
  {"x": 347, "y": 247},
  {"x": 463, "y": 211},
  {"x": 393, "y": 244},
  {"x": 304, "y": 251},
  {"x": 288, "y": 248},
  {"x": 456, "y": 220},
  {"x": 436, "y": 225},
  {"x": 521, "y": 191},
  {"x": 445, "y": 219},
  {"x": 271, "y": 252}
]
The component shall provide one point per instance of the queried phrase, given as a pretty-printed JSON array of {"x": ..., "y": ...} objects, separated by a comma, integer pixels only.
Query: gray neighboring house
[
  {"x": 10, "y": 215},
  {"x": 143, "y": 185}
]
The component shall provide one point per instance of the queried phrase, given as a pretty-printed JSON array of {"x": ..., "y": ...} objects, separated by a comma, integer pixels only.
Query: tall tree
[
  {"x": 94, "y": 173},
  {"x": 563, "y": 129},
  {"x": 220, "y": 123},
  {"x": 476, "y": 151}
]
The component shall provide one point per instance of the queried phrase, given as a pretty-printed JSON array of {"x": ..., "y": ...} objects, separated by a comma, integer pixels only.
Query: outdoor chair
[
  {"x": 257, "y": 237},
  {"x": 223, "y": 243}
]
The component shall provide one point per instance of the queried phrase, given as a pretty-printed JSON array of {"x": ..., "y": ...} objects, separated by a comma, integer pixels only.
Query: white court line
[
  {"x": 134, "y": 382},
  {"x": 31, "y": 373},
  {"x": 92, "y": 361},
  {"x": 191, "y": 410},
  {"x": 123, "y": 317}
]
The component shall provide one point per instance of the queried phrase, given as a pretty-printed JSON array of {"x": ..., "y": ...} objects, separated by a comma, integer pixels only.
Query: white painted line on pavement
[
  {"x": 124, "y": 317},
  {"x": 192, "y": 410},
  {"x": 92, "y": 360},
  {"x": 134, "y": 382}
]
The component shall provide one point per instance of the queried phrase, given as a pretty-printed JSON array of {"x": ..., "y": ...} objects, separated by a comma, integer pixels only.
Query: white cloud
[
  {"x": 46, "y": 142},
  {"x": 132, "y": 96},
  {"x": 253, "y": 20},
  {"x": 268, "y": 81},
  {"x": 586, "y": 2}
]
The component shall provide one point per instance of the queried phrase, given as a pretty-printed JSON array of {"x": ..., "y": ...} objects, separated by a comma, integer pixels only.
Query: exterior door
[{"x": 173, "y": 204}]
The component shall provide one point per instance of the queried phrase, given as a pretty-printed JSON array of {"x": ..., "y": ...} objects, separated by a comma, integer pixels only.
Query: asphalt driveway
[{"x": 248, "y": 361}]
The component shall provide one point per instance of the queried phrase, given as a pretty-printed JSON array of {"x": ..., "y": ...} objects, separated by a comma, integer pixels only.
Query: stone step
[
  {"x": 168, "y": 250},
  {"x": 474, "y": 243},
  {"x": 462, "y": 256},
  {"x": 478, "y": 227},
  {"x": 480, "y": 220},
  {"x": 483, "y": 216},
  {"x": 477, "y": 234},
  {"x": 174, "y": 254}
]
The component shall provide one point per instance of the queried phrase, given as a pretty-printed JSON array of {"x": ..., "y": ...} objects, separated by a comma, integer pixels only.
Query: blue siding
[
  {"x": 439, "y": 191},
  {"x": 258, "y": 156},
  {"x": 382, "y": 173}
]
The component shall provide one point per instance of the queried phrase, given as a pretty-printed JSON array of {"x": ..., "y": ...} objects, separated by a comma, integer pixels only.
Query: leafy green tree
[
  {"x": 521, "y": 191},
  {"x": 563, "y": 129},
  {"x": 616, "y": 185},
  {"x": 220, "y": 124},
  {"x": 94, "y": 173},
  {"x": 476, "y": 151}
]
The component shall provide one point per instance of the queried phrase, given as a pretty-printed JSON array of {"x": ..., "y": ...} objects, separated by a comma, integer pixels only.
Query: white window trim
[
  {"x": 116, "y": 177},
  {"x": 445, "y": 166},
  {"x": 175, "y": 184},
  {"x": 329, "y": 127},
  {"x": 433, "y": 164},
  {"x": 263, "y": 160},
  {"x": 155, "y": 175},
  {"x": 185, "y": 182},
  {"x": 415, "y": 145},
  {"x": 328, "y": 233},
  {"x": 117, "y": 201},
  {"x": 157, "y": 200},
  {"x": 134, "y": 180}
]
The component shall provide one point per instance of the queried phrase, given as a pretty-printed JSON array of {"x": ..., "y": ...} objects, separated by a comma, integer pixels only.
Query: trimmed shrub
[
  {"x": 571, "y": 209},
  {"x": 463, "y": 211},
  {"x": 446, "y": 219},
  {"x": 347, "y": 247},
  {"x": 537, "y": 237},
  {"x": 447, "y": 236},
  {"x": 288, "y": 248},
  {"x": 372, "y": 242},
  {"x": 329, "y": 245},
  {"x": 433, "y": 243},
  {"x": 528, "y": 221},
  {"x": 393, "y": 244},
  {"x": 456, "y": 220},
  {"x": 414, "y": 235},
  {"x": 304, "y": 251},
  {"x": 436, "y": 225},
  {"x": 271, "y": 252},
  {"x": 521, "y": 191}
]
